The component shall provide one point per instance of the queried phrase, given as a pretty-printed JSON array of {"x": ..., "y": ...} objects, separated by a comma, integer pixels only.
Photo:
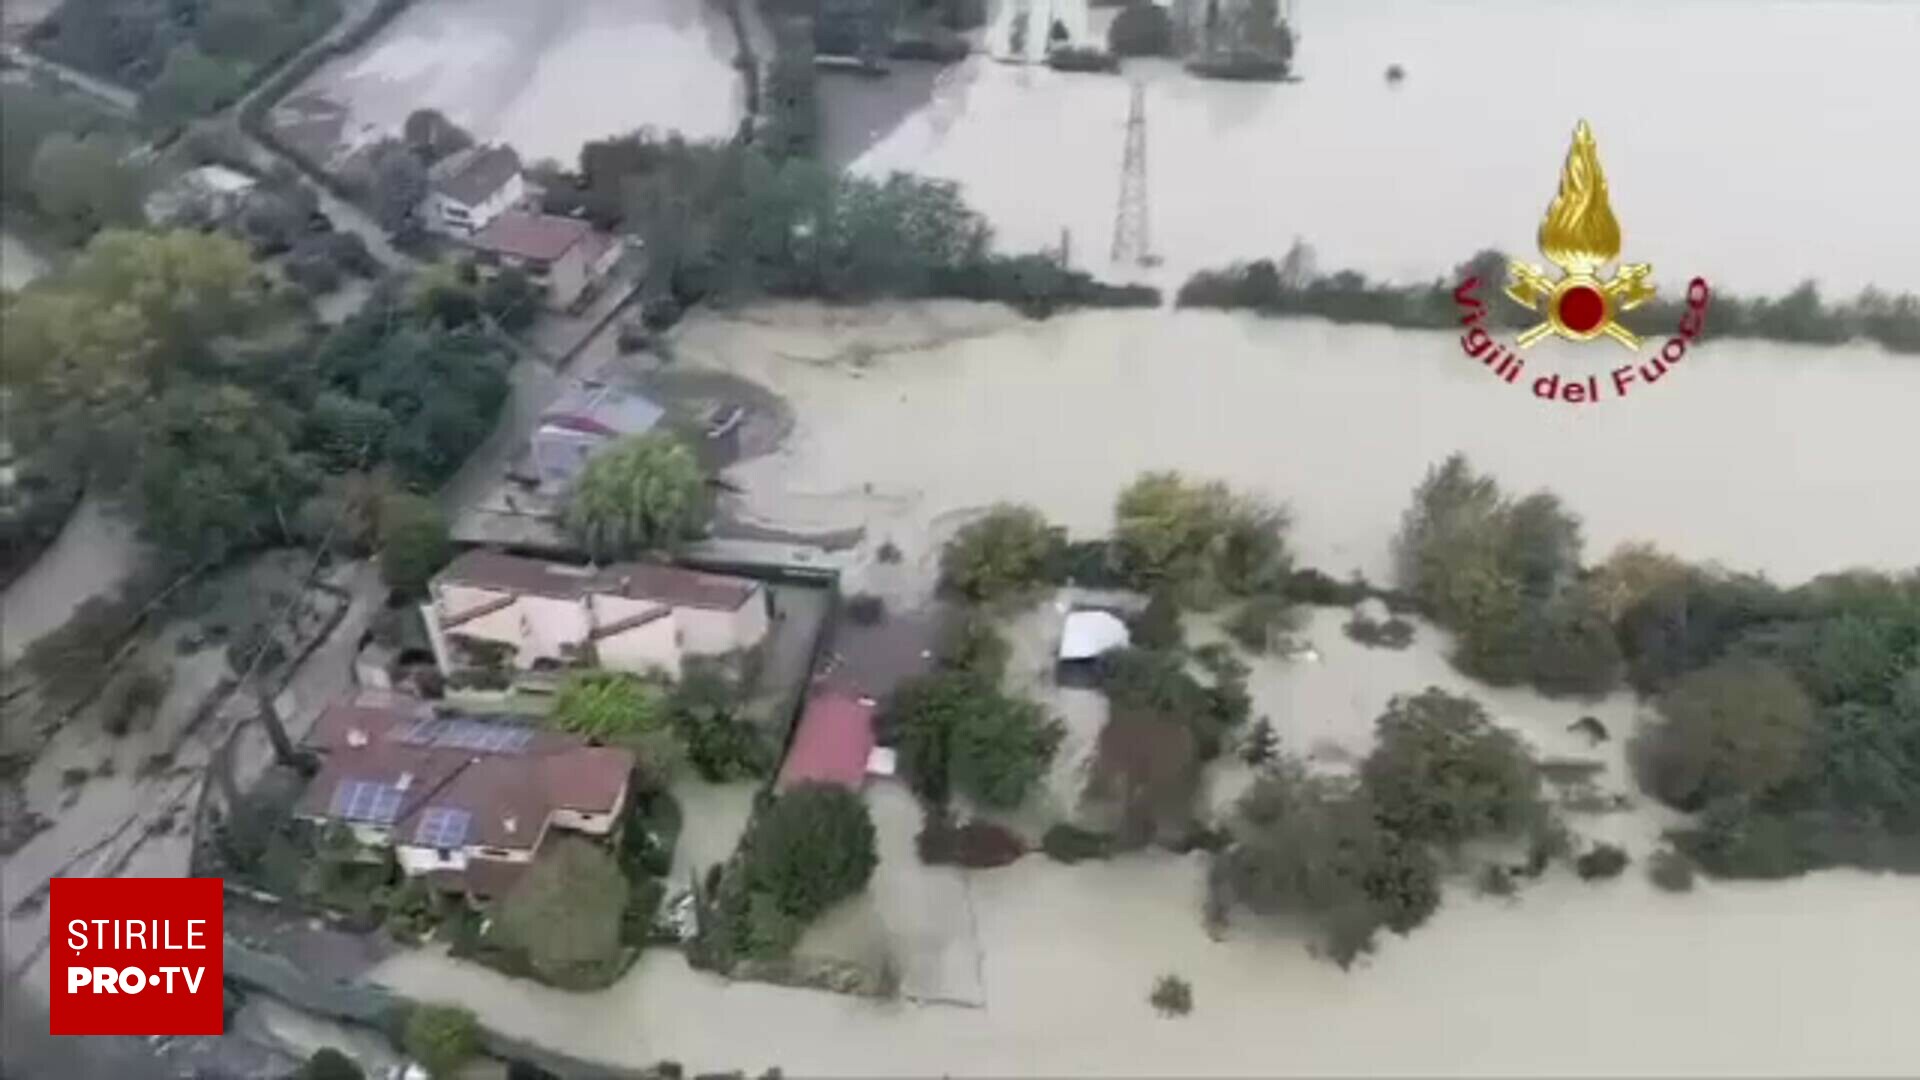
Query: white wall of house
[
  {"x": 424, "y": 860},
  {"x": 650, "y": 647},
  {"x": 706, "y": 632},
  {"x": 547, "y": 624},
  {"x": 452, "y": 215},
  {"x": 567, "y": 276}
]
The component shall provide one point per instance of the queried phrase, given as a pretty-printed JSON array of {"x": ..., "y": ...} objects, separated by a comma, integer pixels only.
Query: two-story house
[
  {"x": 491, "y": 610},
  {"x": 467, "y": 190},
  {"x": 463, "y": 801},
  {"x": 562, "y": 256}
]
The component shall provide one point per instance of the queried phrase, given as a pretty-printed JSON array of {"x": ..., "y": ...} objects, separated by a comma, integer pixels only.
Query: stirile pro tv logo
[
  {"x": 135, "y": 956},
  {"x": 1580, "y": 236}
]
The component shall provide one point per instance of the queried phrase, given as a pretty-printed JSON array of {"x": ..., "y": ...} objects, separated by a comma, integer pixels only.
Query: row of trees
[
  {"x": 169, "y": 368},
  {"x": 66, "y": 163},
  {"x": 189, "y": 56},
  {"x": 734, "y": 221},
  {"x": 1294, "y": 286},
  {"x": 1790, "y": 718}
]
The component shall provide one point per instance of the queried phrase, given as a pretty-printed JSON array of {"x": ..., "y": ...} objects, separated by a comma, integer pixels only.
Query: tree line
[
  {"x": 1295, "y": 286},
  {"x": 170, "y": 370},
  {"x": 1789, "y": 717}
]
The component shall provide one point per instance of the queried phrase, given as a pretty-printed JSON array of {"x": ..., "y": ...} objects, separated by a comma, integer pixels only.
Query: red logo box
[{"x": 135, "y": 956}]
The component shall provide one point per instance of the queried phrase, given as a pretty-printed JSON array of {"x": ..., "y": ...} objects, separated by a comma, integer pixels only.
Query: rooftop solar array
[
  {"x": 442, "y": 827},
  {"x": 468, "y": 735},
  {"x": 366, "y": 800}
]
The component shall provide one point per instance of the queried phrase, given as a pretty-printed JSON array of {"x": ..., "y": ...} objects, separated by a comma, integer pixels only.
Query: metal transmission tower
[{"x": 1130, "y": 216}]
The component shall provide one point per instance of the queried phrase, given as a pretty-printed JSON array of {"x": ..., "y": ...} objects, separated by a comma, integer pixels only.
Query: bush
[
  {"x": 1082, "y": 58},
  {"x": 329, "y": 1064},
  {"x": 1142, "y": 29},
  {"x": 721, "y": 744},
  {"x": 1671, "y": 871},
  {"x": 1603, "y": 862},
  {"x": 968, "y": 642},
  {"x": 814, "y": 846},
  {"x": 414, "y": 543},
  {"x": 866, "y": 609},
  {"x": 1158, "y": 625},
  {"x": 1260, "y": 623},
  {"x": 1070, "y": 844},
  {"x": 955, "y": 729},
  {"x": 1443, "y": 772},
  {"x": 979, "y": 845},
  {"x": 442, "y": 1038},
  {"x": 1172, "y": 996}
]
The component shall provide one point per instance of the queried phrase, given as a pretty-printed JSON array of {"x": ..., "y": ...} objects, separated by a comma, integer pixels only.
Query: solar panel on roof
[
  {"x": 386, "y": 804},
  {"x": 366, "y": 800},
  {"x": 442, "y": 827}
]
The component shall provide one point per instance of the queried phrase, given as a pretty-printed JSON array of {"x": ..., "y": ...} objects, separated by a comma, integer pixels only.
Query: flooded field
[
  {"x": 545, "y": 77},
  {"x": 1748, "y": 453},
  {"x": 1717, "y": 138},
  {"x": 1615, "y": 978}
]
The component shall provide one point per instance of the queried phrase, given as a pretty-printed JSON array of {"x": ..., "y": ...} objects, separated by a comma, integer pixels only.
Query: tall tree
[
  {"x": 646, "y": 493},
  {"x": 1739, "y": 727}
]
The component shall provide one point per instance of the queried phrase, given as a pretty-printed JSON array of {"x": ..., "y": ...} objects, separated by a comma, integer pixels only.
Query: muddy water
[
  {"x": 1722, "y": 128},
  {"x": 546, "y": 77},
  {"x": 1757, "y": 455},
  {"x": 1809, "y": 976}
]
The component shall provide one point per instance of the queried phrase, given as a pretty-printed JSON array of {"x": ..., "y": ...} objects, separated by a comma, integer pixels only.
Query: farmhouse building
[
  {"x": 467, "y": 190},
  {"x": 463, "y": 801},
  {"x": 490, "y": 610},
  {"x": 564, "y": 257}
]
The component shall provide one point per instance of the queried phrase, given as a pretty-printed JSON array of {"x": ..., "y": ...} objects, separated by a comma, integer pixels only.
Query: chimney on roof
[
  {"x": 405, "y": 781},
  {"x": 356, "y": 737}
]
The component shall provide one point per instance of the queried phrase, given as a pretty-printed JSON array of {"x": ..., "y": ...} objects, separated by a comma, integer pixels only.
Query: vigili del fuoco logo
[{"x": 1581, "y": 237}]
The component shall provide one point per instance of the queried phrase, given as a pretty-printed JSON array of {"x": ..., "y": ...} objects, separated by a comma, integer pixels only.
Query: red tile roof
[
  {"x": 509, "y": 790},
  {"x": 543, "y": 237},
  {"x": 832, "y": 744},
  {"x": 636, "y": 581}
]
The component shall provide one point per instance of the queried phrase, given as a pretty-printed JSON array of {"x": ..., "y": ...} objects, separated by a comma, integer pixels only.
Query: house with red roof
[
  {"x": 464, "y": 801},
  {"x": 563, "y": 257},
  {"x": 499, "y": 611},
  {"x": 832, "y": 743}
]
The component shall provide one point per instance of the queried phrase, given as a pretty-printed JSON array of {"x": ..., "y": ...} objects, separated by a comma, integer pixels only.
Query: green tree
[
  {"x": 956, "y": 731},
  {"x": 84, "y": 183},
  {"x": 1739, "y": 727},
  {"x": 192, "y": 84},
  {"x": 442, "y": 1038},
  {"x": 1454, "y": 522},
  {"x": 1313, "y": 847},
  {"x": 1141, "y": 29},
  {"x": 399, "y": 182},
  {"x": 645, "y": 493},
  {"x": 414, "y": 543},
  {"x": 218, "y": 474},
  {"x": 564, "y": 915},
  {"x": 1441, "y": 772},
  {"x": 1572, "y": 648},
  {"x": 1198, "y": 539},
  {"x": 704, "y": 709},
  {"x": 330, "y": 1064},
  {"x": 510, "y": 299},
  {"x": 811, "y": 848},
  {"x": 1006, "y": 552},
  {"x": 429, "y": 134}
]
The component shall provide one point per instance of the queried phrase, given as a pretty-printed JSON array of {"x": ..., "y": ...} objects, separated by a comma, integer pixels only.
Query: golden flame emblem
[{"x": 1580, "y": 235}]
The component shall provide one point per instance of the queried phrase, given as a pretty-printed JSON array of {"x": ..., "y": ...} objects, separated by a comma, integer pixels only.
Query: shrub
[
  {"x": 329, "y": 1064},
  {"x": 1158, "y": 626},
  {"x": 721, "y": 744},
  {"x": 414, "y": 542},
  {"x": 977, "y": 845},
  {"x": 1603, "y": 862},
  {"x": 1671, "y": 871},
  {"x": 1172, "y": 996},
  {"x": 1070, "y": 844},
  {"x": 1442, "y": 772},
  {"x": 954, "y": 729},
  {"x": 442, "y": 1038},
  {"x": 564, "y": 915},
  {"x": 1259, "y": 624},
  {"x": 1141, "y": 29},
  {"x": 866, "y": 609},
  {"x": 814, "y": 846},
  {"x": 1495, "y": 880},
  {"x": 1395, "y": 633},
  {"x": 888, "y": 553}
]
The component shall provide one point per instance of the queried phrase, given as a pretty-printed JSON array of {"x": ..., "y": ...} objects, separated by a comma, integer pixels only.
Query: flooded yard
[
  {"x": 1613, "y": 978},
  {"x": 544, "y": 77}
]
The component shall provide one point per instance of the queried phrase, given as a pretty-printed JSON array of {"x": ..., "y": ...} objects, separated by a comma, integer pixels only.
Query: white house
[
  {"x": 495, "y": 610},
  {"x": 467, "y": 190},
  {"x": 464, "y": 801}
]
